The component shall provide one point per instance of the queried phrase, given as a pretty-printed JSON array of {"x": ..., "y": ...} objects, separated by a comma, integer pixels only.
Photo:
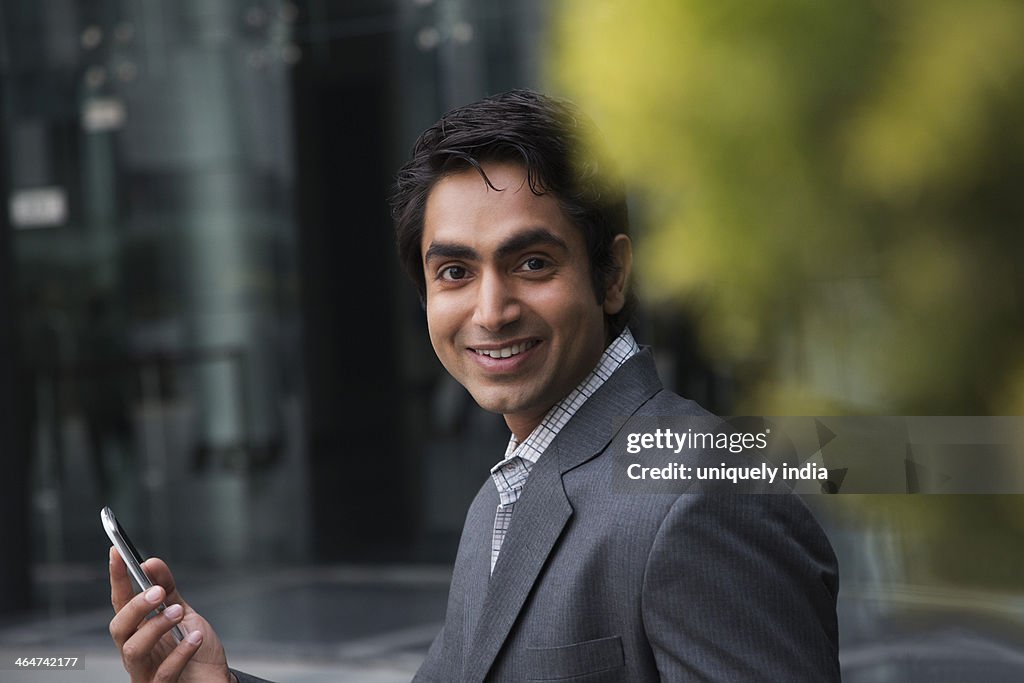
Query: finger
[
  {"x": 126, "y": 622},
  {"x": 175, "y": 663},
  {"x": 138, "y": 649},
  {"x": 160, "y": 574},
  {"x": 120, "y": 585}
]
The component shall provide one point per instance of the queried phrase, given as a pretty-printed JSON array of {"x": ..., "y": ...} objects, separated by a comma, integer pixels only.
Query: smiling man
[{"x": 516, "y": 236}]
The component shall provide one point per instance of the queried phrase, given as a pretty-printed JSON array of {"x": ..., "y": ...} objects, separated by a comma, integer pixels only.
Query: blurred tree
[
  {"x": 833, "y": 191},
  {"x": 831, "y": 187}
]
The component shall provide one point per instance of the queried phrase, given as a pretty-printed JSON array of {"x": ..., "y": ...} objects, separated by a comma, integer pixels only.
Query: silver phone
[{"x": 132, "y": 558}]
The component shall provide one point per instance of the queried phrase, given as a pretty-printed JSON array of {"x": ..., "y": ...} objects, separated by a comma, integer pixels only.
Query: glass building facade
[{"x": 206, "y": 322}]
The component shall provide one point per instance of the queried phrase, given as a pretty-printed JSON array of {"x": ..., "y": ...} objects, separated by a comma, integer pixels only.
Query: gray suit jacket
[{"x": 594, "y": 585}]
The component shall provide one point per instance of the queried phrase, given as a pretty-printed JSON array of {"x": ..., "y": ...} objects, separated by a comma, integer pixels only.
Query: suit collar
[
  {"x": 544, "y": 509},
  {"x": 601, "y": 417}
]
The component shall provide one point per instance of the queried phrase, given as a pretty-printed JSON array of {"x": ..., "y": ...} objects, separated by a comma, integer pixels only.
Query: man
[{"x": 516, "y": 236}]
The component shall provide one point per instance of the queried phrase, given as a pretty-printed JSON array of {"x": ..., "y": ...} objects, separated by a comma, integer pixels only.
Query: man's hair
[{"x": 553, "y": 140}]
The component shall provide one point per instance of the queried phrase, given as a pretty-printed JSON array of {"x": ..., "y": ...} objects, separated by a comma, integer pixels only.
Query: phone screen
[{"x": 136, "y": 555}]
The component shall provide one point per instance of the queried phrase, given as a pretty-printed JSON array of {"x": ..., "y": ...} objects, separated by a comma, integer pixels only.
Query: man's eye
[
  {"x": 534, "y": 263},
  {"x": 453, "y": 273}
]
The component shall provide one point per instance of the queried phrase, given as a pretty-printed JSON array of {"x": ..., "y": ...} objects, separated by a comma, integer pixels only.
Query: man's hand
[{"x": 148, "y": 649}]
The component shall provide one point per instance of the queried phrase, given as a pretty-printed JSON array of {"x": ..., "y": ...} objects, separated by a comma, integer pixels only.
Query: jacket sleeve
[{"x": 742, "y": 587}]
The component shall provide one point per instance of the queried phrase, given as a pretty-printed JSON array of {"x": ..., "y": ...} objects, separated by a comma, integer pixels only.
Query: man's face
[{"x": 510, "y": 307}]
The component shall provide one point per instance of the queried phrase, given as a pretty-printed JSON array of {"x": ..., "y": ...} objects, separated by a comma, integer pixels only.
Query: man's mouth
[{"x": 508, "y": 351}]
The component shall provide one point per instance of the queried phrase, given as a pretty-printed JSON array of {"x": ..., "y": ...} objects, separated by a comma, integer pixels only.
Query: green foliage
[{"x": 833, "y": 188}]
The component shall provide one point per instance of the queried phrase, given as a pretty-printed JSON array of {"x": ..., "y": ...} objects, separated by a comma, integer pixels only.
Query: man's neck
[{"x": 522, "y": 426}]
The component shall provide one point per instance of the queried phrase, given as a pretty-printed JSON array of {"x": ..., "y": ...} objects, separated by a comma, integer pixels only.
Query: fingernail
[
  {"x": 194, "y": 638},
  {"x": 153, "y": 594},
  {"x": 173, "y": 612}
]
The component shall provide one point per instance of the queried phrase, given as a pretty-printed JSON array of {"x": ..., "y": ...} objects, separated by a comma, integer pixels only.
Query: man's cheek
[
  {"x": 435, "y": 323},
  {"x": 437, "y": 341}
]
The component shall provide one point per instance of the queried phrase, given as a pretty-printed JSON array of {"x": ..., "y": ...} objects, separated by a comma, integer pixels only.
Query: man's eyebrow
[
  {"x": 530, "y": 238},
  {"x": 450, "y": 250}
]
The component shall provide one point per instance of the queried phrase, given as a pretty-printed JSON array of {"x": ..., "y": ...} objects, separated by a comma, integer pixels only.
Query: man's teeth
[{"x": 508, "y": 351}]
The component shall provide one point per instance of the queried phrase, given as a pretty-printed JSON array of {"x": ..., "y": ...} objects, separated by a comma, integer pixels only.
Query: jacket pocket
[{"x": 573, "y": 662}]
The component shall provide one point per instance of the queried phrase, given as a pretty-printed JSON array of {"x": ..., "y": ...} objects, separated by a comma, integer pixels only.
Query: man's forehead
[
  {"x": 503, "y": 178},
  {"x": 464, "y": 206}
]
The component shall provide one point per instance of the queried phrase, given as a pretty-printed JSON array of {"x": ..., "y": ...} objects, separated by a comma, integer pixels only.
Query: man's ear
[{"x": 615, "y": 290}]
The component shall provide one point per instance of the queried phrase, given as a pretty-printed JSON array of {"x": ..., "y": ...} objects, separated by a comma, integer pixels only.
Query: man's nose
[{"x": 497, "y": 304}]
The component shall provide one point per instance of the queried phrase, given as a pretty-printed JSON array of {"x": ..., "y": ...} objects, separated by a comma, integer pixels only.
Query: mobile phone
[{"x": 130, "y": 554}]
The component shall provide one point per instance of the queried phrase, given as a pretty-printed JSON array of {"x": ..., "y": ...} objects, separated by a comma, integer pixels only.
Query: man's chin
[{"x": 493, "y": 402}]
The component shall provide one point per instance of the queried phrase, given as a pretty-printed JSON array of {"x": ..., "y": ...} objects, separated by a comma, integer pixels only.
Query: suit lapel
[
  {"x": 604, "y": 413},
  {"x": 543, "y": 510},
  {"x": 539, "y": 517},
  {"x": 475, "y": 575}
]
